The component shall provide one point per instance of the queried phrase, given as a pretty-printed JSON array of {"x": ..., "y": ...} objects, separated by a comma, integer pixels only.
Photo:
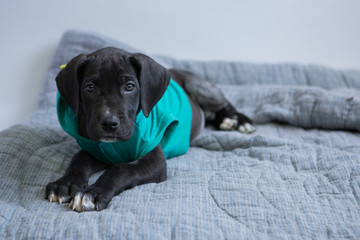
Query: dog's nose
[{"x": 110, "y": 123}]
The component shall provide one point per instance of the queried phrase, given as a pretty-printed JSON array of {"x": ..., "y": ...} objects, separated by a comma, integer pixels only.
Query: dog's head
[{"x": 108, "y": 88}]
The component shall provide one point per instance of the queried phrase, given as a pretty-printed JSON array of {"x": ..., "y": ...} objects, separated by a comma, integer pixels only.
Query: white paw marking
[
  {"x": 247, "y": 128},
  {"x": 52, "y": 197},
  {"x": 82, "y": 202},
  {"x": 228, "y": 124},
  {"x": 88, "y": 203},
  {"x": 75, "y": 204},
  {"x": 63, "y": 199}
]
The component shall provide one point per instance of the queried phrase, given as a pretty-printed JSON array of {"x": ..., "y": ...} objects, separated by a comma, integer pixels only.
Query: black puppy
[{"x": 129, "y": 114}]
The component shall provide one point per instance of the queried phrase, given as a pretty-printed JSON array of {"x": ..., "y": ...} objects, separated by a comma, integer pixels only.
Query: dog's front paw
[
  {"x": 94, "y": 199},
  {"x": 63, "y": 189}
]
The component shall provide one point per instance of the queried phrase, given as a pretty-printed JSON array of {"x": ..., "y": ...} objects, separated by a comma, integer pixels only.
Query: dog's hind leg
[{"x": 218, "y": 110}]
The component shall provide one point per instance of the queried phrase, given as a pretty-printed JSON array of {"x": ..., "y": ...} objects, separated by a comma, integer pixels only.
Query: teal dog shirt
[{"x": 168, "y": 124}]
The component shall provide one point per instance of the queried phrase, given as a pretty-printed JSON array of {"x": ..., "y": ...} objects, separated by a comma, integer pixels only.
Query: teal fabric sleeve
[{"x": 168, "y": 124}]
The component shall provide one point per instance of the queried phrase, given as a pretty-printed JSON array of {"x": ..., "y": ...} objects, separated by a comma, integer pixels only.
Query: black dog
[{"x": 101, "y": 98}]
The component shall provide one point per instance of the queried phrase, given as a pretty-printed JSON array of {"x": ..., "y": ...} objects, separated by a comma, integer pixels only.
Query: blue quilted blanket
[{"x": 296, "y": 177}]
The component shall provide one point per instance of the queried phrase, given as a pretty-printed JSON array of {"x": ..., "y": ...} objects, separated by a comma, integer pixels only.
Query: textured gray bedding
[{"x": 296, "y": 177}]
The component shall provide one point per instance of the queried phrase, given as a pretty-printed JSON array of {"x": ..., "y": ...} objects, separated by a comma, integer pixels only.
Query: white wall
[{"x": 307, "y": 31}]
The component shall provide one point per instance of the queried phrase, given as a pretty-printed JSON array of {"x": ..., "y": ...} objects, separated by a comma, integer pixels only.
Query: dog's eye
[
  {"x": 90, "y": 87},
  {"x": 129, "y": 87}
]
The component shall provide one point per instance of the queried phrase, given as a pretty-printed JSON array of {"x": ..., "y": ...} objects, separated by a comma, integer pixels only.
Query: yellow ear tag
[{"x": 62, "y": 66}]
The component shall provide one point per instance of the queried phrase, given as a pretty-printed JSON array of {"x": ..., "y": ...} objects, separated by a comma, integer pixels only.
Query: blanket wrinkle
[
  {"x": 335, "y": 179},
  {"x": 217, "y": 203},
  {"x": 262, "y": 193},
  {"x": 348, "y": 108},
  {"x": 307, "y": 78},
  {"x": 249, "y": 230},
  {"x": 344, "y": 80},
  {"x": 257, "y": 151},
  {"x": 234, "y": 140},
  {"x": 298, "y": 74},
  {"x": 2, "y": 219},
  {"x": 354, "y": 184},
  {"x": 312, "y": 112},
  {"x": 308, "y": 190}
]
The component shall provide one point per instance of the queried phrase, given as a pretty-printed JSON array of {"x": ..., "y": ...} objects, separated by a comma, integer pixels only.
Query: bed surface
[{"x": 296, "y": 177}]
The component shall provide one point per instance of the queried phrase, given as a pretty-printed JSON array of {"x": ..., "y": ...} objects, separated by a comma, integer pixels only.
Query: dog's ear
[
  {"x": 68, "y": 82},
  {"x": 153, "y": 80}
]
